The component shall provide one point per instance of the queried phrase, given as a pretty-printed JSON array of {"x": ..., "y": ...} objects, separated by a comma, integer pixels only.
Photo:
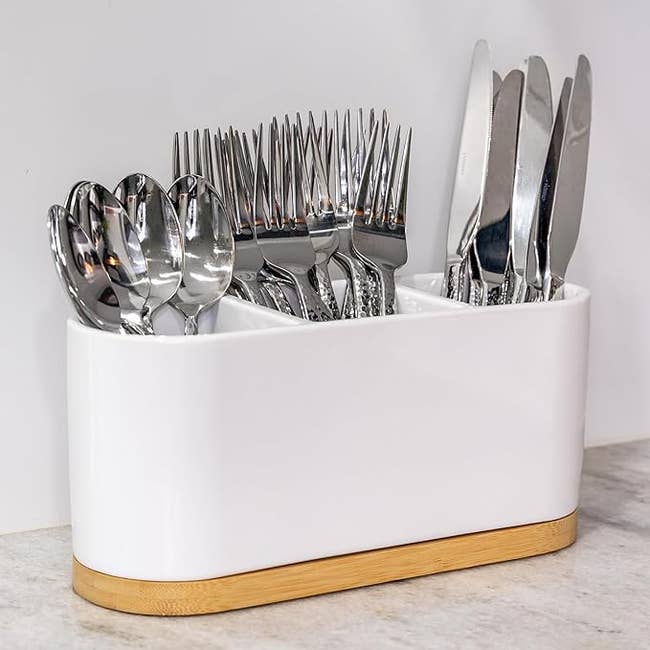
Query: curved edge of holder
[{"x": 323, "y": 575}]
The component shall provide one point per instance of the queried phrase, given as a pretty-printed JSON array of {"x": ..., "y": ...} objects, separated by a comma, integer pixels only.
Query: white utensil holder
[{"x": 220, "y": 471}]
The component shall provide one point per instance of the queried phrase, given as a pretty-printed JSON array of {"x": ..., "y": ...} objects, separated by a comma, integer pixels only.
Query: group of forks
[{"x": 298, "y": 199}]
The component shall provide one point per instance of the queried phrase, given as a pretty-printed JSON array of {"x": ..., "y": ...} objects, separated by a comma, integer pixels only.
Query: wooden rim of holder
[{"x": 322, "y": 576}]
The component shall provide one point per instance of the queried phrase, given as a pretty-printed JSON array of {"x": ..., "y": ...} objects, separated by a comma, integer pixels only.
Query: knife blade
[
  {"x": 493, "y": 233},
  {"x": 538, "y": 244},
  {"x": 569, "y": 190},
  {"x": 535, "y": 125},
  {"x": 496, "y": 85},
  {"x": 470, "y": 171}
]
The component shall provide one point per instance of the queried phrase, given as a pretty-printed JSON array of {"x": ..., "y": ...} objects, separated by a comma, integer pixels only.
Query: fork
[
  {"x": 378, "y": 233},
  {"x": 358, "y": 296},
  {"x": 280, "y": 216},
  {"x": 321, "y": 219},
  {"x": 222, "y": 175}
]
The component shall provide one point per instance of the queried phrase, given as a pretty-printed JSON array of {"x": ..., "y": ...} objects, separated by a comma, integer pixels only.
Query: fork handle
[
  {"x": 311, "y": 305},
  {"x": 277, "y": 296},
  {"x": 252, "y": 290},
  {"x": 387, "y": 290},
  {"x": 325, "y": 289},
  {"x": 358, "y": 292}
]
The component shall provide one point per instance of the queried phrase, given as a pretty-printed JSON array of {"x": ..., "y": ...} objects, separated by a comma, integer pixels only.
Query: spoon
[
  {"x": 152, "y": 214},
  {"x": 209, "y": 247},
  {"x": 107, "y": 224},
  {"x": 81, "y": 272}
]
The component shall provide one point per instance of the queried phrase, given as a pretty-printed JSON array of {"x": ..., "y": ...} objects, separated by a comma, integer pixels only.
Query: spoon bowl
[
  {"x": 209, "y": 247},
  {"x": 107, "y": 224},
  {"x": 152, "y": 215},
  {"x": 81, "y": 272}
]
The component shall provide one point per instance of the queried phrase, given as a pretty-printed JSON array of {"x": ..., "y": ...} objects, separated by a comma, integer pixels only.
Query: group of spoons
[{"x": 121, "y": 255}]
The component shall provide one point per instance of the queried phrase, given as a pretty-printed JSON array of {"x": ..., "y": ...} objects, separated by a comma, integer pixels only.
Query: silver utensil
[
  {"x": 564, "y": 180},
  {"x": 208, "y": 245},
  {"x": 359, "y": 290},
  {"x": 493, "y": 231},
  {"x": 81, "y": 272},
  {"x": 279, "y": 217},
  {"x": 321, "y": 220},
  {"x": 236, "y": 184},
  {"x": 535, "y": 124},
  {"x": 517, "y": 245},
  {"x": 211, "y": 159},
  {"x": 471, "y": 170},
  {"x": 379, "y": 234},
  {"x": 152, "y": 214},
  {"x": 105, "y": 221}
]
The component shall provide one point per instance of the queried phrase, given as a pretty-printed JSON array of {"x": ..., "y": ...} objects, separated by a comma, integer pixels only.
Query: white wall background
[{"x": 95, "y": 90}]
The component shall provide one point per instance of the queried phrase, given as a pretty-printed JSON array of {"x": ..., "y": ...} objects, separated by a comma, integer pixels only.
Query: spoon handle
[{"x": 191, "y": 325}]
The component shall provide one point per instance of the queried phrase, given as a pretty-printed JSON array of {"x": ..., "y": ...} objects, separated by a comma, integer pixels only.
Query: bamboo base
[{"x": 323, "y": 575}]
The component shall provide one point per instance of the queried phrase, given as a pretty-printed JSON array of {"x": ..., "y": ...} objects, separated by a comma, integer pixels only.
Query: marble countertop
[{"x": 595, "y": 594}]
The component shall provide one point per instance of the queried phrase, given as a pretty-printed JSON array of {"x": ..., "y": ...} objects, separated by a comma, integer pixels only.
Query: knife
[
  {"x": 493, "y": 233},
  {"x": 569, "y": 189},
  {"x": 470, "y": 171},
  {"x": 538, "y": 244},
  {"x": 535, "y": 125}
]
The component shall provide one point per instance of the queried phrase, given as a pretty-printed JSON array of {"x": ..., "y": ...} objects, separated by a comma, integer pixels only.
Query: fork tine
[
  {"x": 221, "y": 146},
  {"x": 247, "y": 154},
  {"x": 300, "y": 131},
  {"x": 284, "y": 170},
  {"x": 327, "y": 148},
  {"x": 328, "y": 158},
  {"x": 297, "y": 193},
  {"x": 402, "y": 187},
  {"x": 346, "y": 158},
  {"x": 218, "y": 154},
  {"x": 222, "y": 172},
  {"x": 337, "y": 160},
  {"x": 232, "y": 177},
  {"x": 186, "y": 153},
  {"x": 176, "y": 158},
  {"x": 364, "y": 183},
  {"x": 260, "y": 214},
  {"x": 360, "y": 150},
  {"x": 309, "y": 170},
  {"x": 257, "y": 136},
  {"x": 376, "y": 201},
  {"x": 244, "y": 178},
  {"x": 244, "y": 171},
  {"x": 392, "y": 169},
  {"x": 305, "y": 173},
  {"x": 208, "y": 162},
  {"x": 273, "y": 199},
  {"x": 324, "y": 201},
  {"x": 197, "y": 153},
  {"x": 324, "y": 126}
]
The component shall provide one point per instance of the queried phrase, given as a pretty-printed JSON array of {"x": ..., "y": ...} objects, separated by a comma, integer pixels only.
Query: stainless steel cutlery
[
  {"x": 107, "y": 224},
  {"x": 266, "y": 216},
  {"x": 305, "y": 198},
  {"x": 471, "y": 170},
  {"x": 520, "y": 180},
  {"x": 121, "y": 259},
  {"x": 152, "y": 215},
  {"x": 81, "y": 272},
  {"x": 209, "y": 247}
]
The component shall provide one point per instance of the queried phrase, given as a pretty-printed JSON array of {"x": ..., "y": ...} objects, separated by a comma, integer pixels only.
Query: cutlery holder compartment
[{"x": 218, "y": 471}]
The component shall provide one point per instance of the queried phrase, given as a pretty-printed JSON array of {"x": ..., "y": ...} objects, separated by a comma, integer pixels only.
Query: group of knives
[{"x": 520, "y": 179}]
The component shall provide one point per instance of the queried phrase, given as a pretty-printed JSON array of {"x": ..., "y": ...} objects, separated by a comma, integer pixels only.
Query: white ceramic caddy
[{"x": 276, "y": 441}]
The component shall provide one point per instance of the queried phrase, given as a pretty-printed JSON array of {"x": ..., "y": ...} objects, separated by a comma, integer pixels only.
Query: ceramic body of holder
[{"x": 276, "y": 441}]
